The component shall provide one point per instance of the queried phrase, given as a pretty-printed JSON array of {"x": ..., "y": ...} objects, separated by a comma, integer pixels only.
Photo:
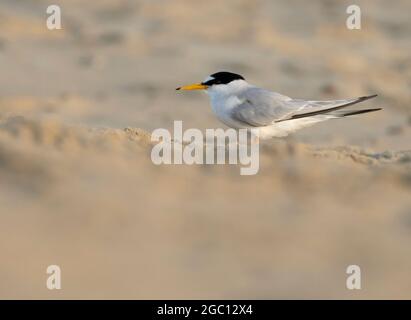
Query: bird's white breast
[{"x": 224, "y": 99}]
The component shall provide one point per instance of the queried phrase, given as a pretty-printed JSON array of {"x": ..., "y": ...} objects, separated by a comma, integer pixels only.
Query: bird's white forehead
[{"x": 208, "y": 78}]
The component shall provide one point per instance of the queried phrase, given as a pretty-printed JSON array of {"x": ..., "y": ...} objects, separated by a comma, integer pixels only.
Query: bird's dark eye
[{"x": 212, "y": 81}]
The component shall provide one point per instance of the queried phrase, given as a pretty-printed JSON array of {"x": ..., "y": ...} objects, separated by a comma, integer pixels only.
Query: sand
[{"x": 78, "y": 188}]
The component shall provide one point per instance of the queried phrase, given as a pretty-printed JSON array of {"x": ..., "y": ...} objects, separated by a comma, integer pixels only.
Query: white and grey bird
[{"x": 239, "y": 104}]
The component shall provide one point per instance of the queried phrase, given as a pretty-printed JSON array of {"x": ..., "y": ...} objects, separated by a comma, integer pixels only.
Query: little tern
[{"x": 239, "y": 105}]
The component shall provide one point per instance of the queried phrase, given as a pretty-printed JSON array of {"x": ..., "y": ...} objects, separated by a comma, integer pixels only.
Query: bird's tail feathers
[
  {"x": 331, "y": 110},
  {"x": 346, "y": 113}
]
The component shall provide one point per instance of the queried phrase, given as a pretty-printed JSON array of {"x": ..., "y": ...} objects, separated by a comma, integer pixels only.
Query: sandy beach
[{"x": 78, "y": 188}]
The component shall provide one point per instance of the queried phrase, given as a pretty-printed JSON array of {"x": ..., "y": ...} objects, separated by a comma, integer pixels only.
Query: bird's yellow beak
[{"x": 195, "y": 86}]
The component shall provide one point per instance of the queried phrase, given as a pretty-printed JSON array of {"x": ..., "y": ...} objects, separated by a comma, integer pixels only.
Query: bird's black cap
[{"x": 223, "y": 77}]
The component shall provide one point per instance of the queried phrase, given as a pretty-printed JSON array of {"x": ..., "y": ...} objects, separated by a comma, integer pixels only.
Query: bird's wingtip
[{"x": 368, "y": 97}]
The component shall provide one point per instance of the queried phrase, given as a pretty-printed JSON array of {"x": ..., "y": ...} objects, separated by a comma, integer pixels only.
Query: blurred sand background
[{"x": 78, "y": 188}]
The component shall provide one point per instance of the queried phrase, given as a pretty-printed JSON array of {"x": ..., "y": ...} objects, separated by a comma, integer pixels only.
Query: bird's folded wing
[
  {"x": 260, "y": 107},
  {"x": 314, "y": 108}
]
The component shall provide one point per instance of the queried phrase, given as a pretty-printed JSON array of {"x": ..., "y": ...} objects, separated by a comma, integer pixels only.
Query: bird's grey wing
[
  {"x": 312, "y": 108},
  {"x": 260, "y": 107}
]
